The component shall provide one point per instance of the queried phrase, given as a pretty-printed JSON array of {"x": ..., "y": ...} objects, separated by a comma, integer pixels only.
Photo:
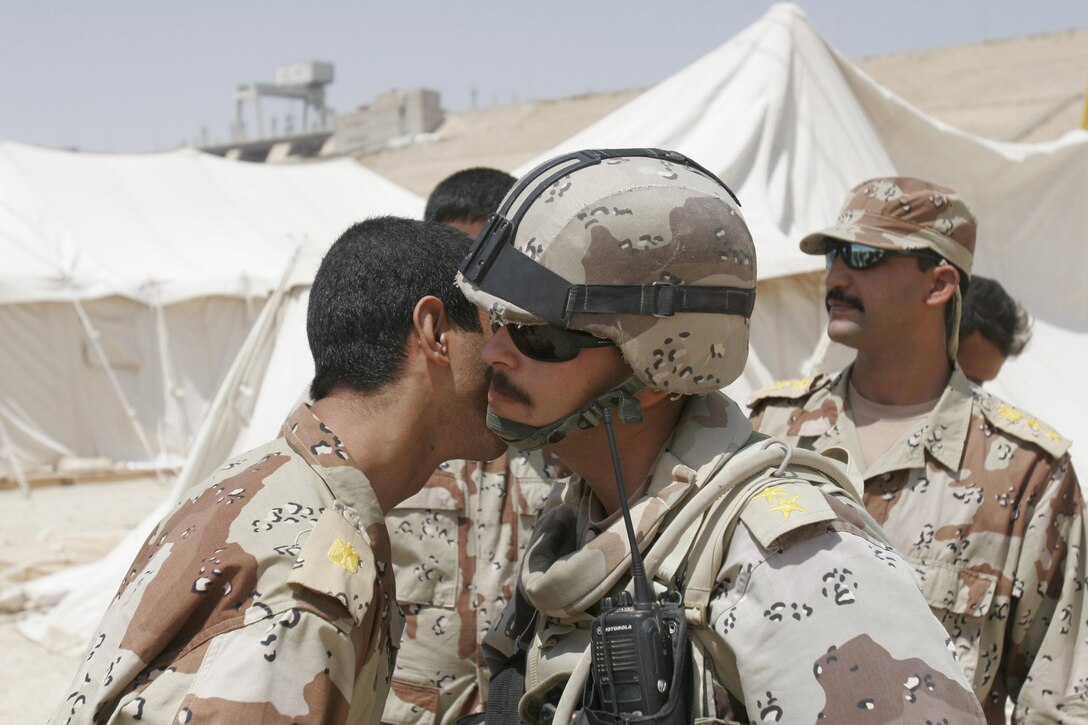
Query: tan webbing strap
[
  {"x": 718, "y": 663},
  {"x": 677, "y": 557},
  {"x": 711, "y": 545}
]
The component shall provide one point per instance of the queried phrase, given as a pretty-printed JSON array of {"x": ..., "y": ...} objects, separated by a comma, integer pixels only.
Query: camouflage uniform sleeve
[
  {"x": 825, "y": 621},
  {"x": 1048, "y": 638},
  {"x": 320, "y": 656},
  {"x": 297, "y": 667}
]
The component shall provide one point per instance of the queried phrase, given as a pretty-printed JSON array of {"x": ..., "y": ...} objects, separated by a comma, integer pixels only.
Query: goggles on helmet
[
  {"x": 862, "y": 256},
  {"x": 547, "y": 343},
  {"x": 496, "y": 267}
]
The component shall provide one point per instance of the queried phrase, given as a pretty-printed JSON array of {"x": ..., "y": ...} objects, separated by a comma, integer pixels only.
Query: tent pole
[
  {"x": 1084, "y": 117},
  {"x": 237, "y": 377},
  {"x": 815, "y": 362},
  {"x": 171, "y": 391},
  {"x": 94, "y": 336},
  {"x": 9, "y": 453}
]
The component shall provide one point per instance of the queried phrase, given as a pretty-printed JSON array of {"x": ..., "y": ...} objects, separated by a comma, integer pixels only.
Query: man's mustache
[
  {"x": 838, "y": 295},
  {"x": 504, "y": 386}
]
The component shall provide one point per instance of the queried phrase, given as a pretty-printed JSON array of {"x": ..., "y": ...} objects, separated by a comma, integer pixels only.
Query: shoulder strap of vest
[
  {"x": 697, "y": 554},
  {"x": 674, "y": 564}
]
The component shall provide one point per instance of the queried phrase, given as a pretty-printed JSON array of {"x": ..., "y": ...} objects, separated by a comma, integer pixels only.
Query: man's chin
[{"x": 844, "y": 332}]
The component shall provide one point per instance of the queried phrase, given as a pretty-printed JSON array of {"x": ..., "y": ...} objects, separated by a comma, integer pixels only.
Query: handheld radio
[{"x": 635, "y": 669}]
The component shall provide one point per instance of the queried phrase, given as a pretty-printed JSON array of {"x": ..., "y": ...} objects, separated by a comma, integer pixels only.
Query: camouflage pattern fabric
[
  {"x": 643, "y": 221},
  {"x": 266, "y": 596},
  {"x": 456, "y": 548},
  {"x": 983, "y": 502},
  {"x": 901, "y": 213},
  {"x": 798, "y": 625}
]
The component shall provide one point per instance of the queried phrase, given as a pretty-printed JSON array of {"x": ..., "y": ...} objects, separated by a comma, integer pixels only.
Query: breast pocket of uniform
[
  {"x": 424, "y": 534},
  {"x": 965, "y": 601}
]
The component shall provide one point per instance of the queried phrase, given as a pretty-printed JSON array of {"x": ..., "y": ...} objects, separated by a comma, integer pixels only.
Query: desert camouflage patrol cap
[
  {"x": 903, "y": 213},
  {"x": 643, "y": 247},
  {"x": 908, "y": 214}
]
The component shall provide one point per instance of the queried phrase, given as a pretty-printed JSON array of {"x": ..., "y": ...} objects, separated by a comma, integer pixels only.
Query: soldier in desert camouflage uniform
[
  {"x": 267, "y": 595},
  {"x": 624, "y": 280},
  {"x": 980, "y": 497},
  {"x": 457, "y": 543},
  {"x": 456, "y": 549}
]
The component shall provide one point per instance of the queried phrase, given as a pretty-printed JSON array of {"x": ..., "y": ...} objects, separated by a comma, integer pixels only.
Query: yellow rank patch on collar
[
  {"x": 1013, "y": 415},
  {"x": 781, "y": 507},
  {"x": 1024, "y": 426},
  {"x": 789, "y": 389},
  {"x": 344, "y": 556}
]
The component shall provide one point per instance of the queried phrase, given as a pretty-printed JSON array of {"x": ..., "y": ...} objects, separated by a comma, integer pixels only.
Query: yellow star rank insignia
[
  {"x": 771, "y": 494},
  {"x": 782, "y": 506},
  {"x": 787, "y": 505}
]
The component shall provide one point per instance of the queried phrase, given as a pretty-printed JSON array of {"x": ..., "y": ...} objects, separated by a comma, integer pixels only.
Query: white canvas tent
[
  {"x": 792, "y": 125},
  {"x": 265, "y": 380},
  {"x": 155, "y": 235},
  {"x": 128, "y": 283}
]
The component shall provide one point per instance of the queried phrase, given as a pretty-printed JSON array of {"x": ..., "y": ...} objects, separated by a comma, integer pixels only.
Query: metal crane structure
[{"x": 305, "y": 81}]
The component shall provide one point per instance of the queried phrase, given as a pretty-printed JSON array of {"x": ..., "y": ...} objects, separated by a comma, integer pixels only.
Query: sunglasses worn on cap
[
  {"x": 547, "y": 343},
  {"x": 862, "y": 256}
]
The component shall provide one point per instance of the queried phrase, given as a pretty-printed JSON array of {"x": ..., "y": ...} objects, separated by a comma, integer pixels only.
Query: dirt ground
[{"x": 56, "y": 527}]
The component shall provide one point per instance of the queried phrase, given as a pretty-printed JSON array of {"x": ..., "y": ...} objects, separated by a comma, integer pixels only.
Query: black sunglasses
[
  {"x": 861, "y": 256},
  {"x": 547, "y": 343}
]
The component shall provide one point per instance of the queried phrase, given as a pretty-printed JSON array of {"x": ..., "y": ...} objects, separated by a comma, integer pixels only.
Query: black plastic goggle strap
[
  {"x": 659, "y": 300},
  {"x": 489, "y": 242},
  {"x": 515, "y": 278}
]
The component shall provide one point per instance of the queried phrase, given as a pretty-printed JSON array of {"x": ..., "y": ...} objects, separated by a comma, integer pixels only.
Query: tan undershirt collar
[{"x": 879, "y": 426}]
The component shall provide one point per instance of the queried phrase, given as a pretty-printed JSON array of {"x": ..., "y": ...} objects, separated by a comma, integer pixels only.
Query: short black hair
[
  {"x": 989, "y": 310},
  {"x": 364, "y": 293},
  {"x": 471, "y": 195}
]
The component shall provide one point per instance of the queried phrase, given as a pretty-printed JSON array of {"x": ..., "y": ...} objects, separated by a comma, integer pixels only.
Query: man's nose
[
  {"x": 499, "y": 350},
  {"x": 838, "y": 274}
]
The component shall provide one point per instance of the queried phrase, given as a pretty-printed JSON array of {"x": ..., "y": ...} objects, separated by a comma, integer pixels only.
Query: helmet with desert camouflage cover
[{"x": 642, "y": 247}]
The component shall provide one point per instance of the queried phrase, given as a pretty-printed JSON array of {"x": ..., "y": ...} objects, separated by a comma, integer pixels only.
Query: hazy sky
[{"x": 107, "y": 75}]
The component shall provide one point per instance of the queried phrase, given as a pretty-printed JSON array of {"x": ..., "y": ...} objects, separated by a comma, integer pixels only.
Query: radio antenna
[{"x": 643, "y": 600}]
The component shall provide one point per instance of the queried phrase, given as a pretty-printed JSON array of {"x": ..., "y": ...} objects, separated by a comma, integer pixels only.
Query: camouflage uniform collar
[
  {"x": 326, "y": 454},
  {"x": 842, "y": 434},
  {"x": 711, "y": 426},
  {"x": 565, "y": 572},
  {"x": 943, "y": 434},
  {"x": 951, "y": 420}
]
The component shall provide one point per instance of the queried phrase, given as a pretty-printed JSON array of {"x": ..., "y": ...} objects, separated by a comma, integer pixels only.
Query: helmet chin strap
[{"x": 530, "y": 438}]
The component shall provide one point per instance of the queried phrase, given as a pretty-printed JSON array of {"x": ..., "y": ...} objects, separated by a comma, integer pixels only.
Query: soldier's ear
[
  {"x": 944, "y": 281},
  {"x": 429, "y": 326}
]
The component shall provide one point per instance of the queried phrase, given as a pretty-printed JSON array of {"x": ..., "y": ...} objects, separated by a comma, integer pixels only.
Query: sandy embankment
[{"x": 57, "y": 526}]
